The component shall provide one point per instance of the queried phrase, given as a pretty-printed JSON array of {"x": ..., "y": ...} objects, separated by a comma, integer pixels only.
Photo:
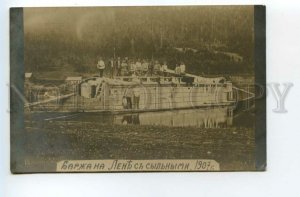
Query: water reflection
[
  {"x": 202, "y": 118},
  {"x": 129, "y": 119},
  {"x": 221, "y": 117}
]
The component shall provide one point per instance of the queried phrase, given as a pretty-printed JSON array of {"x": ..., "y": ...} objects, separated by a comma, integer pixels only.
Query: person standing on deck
[
  {"x": 177, "y": 69},
  {"x": 132, "y": 67},
  {"x": 157, "y": 68},
  {"x": 164, "y": 68},
  {"x": 128, "y": 96},
  {"x": 138, "y": 66},
  {"x": 136, "y": 92},
  {"x": 124, "y": 66},
  {"x": 101, "y": 67},
  {"x": 118, "y": 66},
  {"x": 182, "y": 68},
  {"x": 150, "y": 68},
  {"x": 145, "y": 66},
  {"x": 136, "y": 97},
  {"x": 112, "y": 67}
]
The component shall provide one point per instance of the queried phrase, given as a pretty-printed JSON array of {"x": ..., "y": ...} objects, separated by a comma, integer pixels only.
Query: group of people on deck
[
  {"x": 136, "y": 67},
  {"x": 118, "y": 67}
]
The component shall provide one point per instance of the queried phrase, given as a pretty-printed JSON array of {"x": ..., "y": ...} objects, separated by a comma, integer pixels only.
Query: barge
[{"x": 123, "y": 94}]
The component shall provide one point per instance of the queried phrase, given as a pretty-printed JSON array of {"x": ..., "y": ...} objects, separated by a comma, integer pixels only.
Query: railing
[{"x": 158, "y": 79}]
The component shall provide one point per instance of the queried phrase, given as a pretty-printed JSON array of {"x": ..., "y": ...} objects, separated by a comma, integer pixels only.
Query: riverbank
[{"x": 48, "y": 142}]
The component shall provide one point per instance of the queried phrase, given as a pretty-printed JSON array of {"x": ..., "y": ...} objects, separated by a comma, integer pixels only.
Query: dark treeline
[{"x": 73, "y": 38}]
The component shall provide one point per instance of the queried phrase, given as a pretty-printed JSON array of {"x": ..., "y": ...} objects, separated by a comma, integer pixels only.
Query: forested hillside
[{"x": 73, "y": 38}]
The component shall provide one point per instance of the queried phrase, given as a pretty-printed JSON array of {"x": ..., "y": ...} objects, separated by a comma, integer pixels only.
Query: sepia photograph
[{"x": 137, "y": 89}]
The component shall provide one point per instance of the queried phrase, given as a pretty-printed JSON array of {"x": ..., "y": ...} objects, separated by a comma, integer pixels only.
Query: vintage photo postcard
[{"x": 138, "y": 89}]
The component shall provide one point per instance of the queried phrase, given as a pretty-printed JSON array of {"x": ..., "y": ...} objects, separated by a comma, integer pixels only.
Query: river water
[{"x": 222, "y": 134}]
